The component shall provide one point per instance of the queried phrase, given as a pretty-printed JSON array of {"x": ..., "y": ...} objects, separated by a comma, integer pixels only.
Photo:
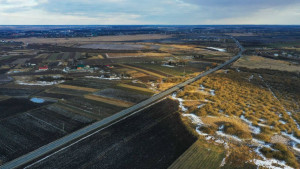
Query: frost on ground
[
  {"x": 294, "y": 140},
  {"x": 212, "y": 92},
  {"x": 250, "y": 78},
  {"x": 217, "y": 49},
  {"x": 166, "y": 65},
  {"x": 255, "y": 130},
  {"x": 39, "y": 83},
  {"x": 261, "y": 162},
  {"x": 104, "y": 78},
  {"x": 269, "y": 163}
]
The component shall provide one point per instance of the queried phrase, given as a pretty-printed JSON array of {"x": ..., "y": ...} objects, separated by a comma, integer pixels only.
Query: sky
[{"x": 149, "y": 12}]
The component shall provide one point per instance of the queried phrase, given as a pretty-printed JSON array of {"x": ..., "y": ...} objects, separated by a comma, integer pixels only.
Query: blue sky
[{"x": 110, "y": 12}]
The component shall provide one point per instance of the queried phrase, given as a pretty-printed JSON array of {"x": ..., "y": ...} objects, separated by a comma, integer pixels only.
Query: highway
[{"x": 86, "y": 131}]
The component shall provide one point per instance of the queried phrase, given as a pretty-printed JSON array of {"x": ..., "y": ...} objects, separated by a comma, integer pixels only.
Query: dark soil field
[
  {"x": 26, "y": 132},
  {"x": 67, "y": 91},
  {"x": 54, "y": 95},
  {"x": 100, "y": 109},
  {"x": 92, "y": 83},
  {"x": 153, "y": 138},
  {"x": 122, "y": 95},
  {"x": 17, "y": 92},
  {"x": 13, "y": 106},
  {"x": 5, "y": 79}
]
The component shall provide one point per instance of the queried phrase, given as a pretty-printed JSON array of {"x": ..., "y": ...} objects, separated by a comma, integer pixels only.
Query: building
[
  {"x": 80, "y": 66},
  {"x": 43, "y": 67}
]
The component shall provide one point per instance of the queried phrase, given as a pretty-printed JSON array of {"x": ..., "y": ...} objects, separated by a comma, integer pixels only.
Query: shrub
[
  {"x": 267, "y": 152},
  {"x": 263, "y": 137},
  {"x": 297, "y": 134},
  {"x": 201, "y": 112},
  {"x": 189, "y": 88},
  {"x": 233, "y": 129},
  {"x": 208, "y": 129},
  {"x": 281, "y": 153},
  {"x": 266, "y": 130}
]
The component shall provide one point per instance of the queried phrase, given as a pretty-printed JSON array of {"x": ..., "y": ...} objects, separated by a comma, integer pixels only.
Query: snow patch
[
  {"x": 104, "y": 78},
  {"x": 254, "y": 129},
  {"x": 212, "y": 92},
  {"x": 200, "y": 132},
  {"x": 167, "y": 65},
  {"x": 217, "y": 49},
  {"x": 202, "y": 87},
  {"x": 282, "y": 122},
  {"x": 268, "y": 164},
  {"x": 291, "y": 136},
  {"x": 180, "y": 100},
  {"x": 250, "y": 78},
  {"x": 220, "y": 133},
  {"x": 195, "y": 119},
  {"x": 200, "y": 106},
  {"x": 39, "y": 83}
]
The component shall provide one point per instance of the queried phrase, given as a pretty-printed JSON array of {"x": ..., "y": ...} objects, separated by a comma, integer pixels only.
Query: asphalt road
[{"x": 82, "y": 133}]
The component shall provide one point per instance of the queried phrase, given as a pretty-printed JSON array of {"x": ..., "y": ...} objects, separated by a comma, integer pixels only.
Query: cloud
[
  {"x": 288, "y": 15},
  {"x": 148, "y": 12}
]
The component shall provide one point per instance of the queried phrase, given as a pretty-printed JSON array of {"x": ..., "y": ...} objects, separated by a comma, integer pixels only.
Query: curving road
[{"x": 97, "y": 126}]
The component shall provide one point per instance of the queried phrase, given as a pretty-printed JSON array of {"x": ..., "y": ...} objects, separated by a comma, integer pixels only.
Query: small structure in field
[
  {"x": 43, "y": 68},
  {"x": 80, "y": 66}
]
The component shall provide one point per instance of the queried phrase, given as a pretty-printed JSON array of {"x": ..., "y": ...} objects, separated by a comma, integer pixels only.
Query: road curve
[{"x": 68, "y": 139}]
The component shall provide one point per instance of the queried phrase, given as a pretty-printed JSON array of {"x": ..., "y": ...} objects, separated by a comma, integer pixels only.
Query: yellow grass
[
  {"x": 165, "y": 86},
  {"x": 70, "y": 41},
  {"x": 191, "y": 103},
  {"x": 96, "y": 57},
  {"x": 140, "y": 54},
  {"x": 131, "y": 72},
  {"x": 77, "y": 88},
  {"x": 135, "y": 87},
  {"x": 151, "y": 54},
  {"x": 257, "y": 62},
  {"x": 109, "y": 100},
  {"x": 44, "y": 55},
  {"x": 144, "y": 71},
  {"x": 233, "y": 120}
]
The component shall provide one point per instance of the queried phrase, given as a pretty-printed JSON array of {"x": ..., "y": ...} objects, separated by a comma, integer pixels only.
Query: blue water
[{"x": 37, "y": 100}]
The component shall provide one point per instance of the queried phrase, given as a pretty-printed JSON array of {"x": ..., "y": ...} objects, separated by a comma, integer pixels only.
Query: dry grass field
[
  {"x": 258, "y": 62},
  {"x": 251, "y": 104},
  {"x": 77, "y": 88},
  {"x": 143, "y": 71},
  {"x": 135, "y": 88},
  {"x": 72, "y": 41},
  {"x": 212, "y": 121},
  {"x": 140, "y": 54},
  {"x": 96, "y": 56},
  {"x": 109, "y": 100}
]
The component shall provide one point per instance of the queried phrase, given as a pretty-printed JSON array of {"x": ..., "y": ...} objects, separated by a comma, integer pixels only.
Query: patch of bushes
[
  {"x": 174, "y": 80},
  {"x": 281, "y": 152},
  {"x": 235, "y": 130},
  {"x": 238, "y": 157},
  {"x": 297, "y": 134},
  {"x": 208, "y": 129},
  {"x": 263, "y": 137}
]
